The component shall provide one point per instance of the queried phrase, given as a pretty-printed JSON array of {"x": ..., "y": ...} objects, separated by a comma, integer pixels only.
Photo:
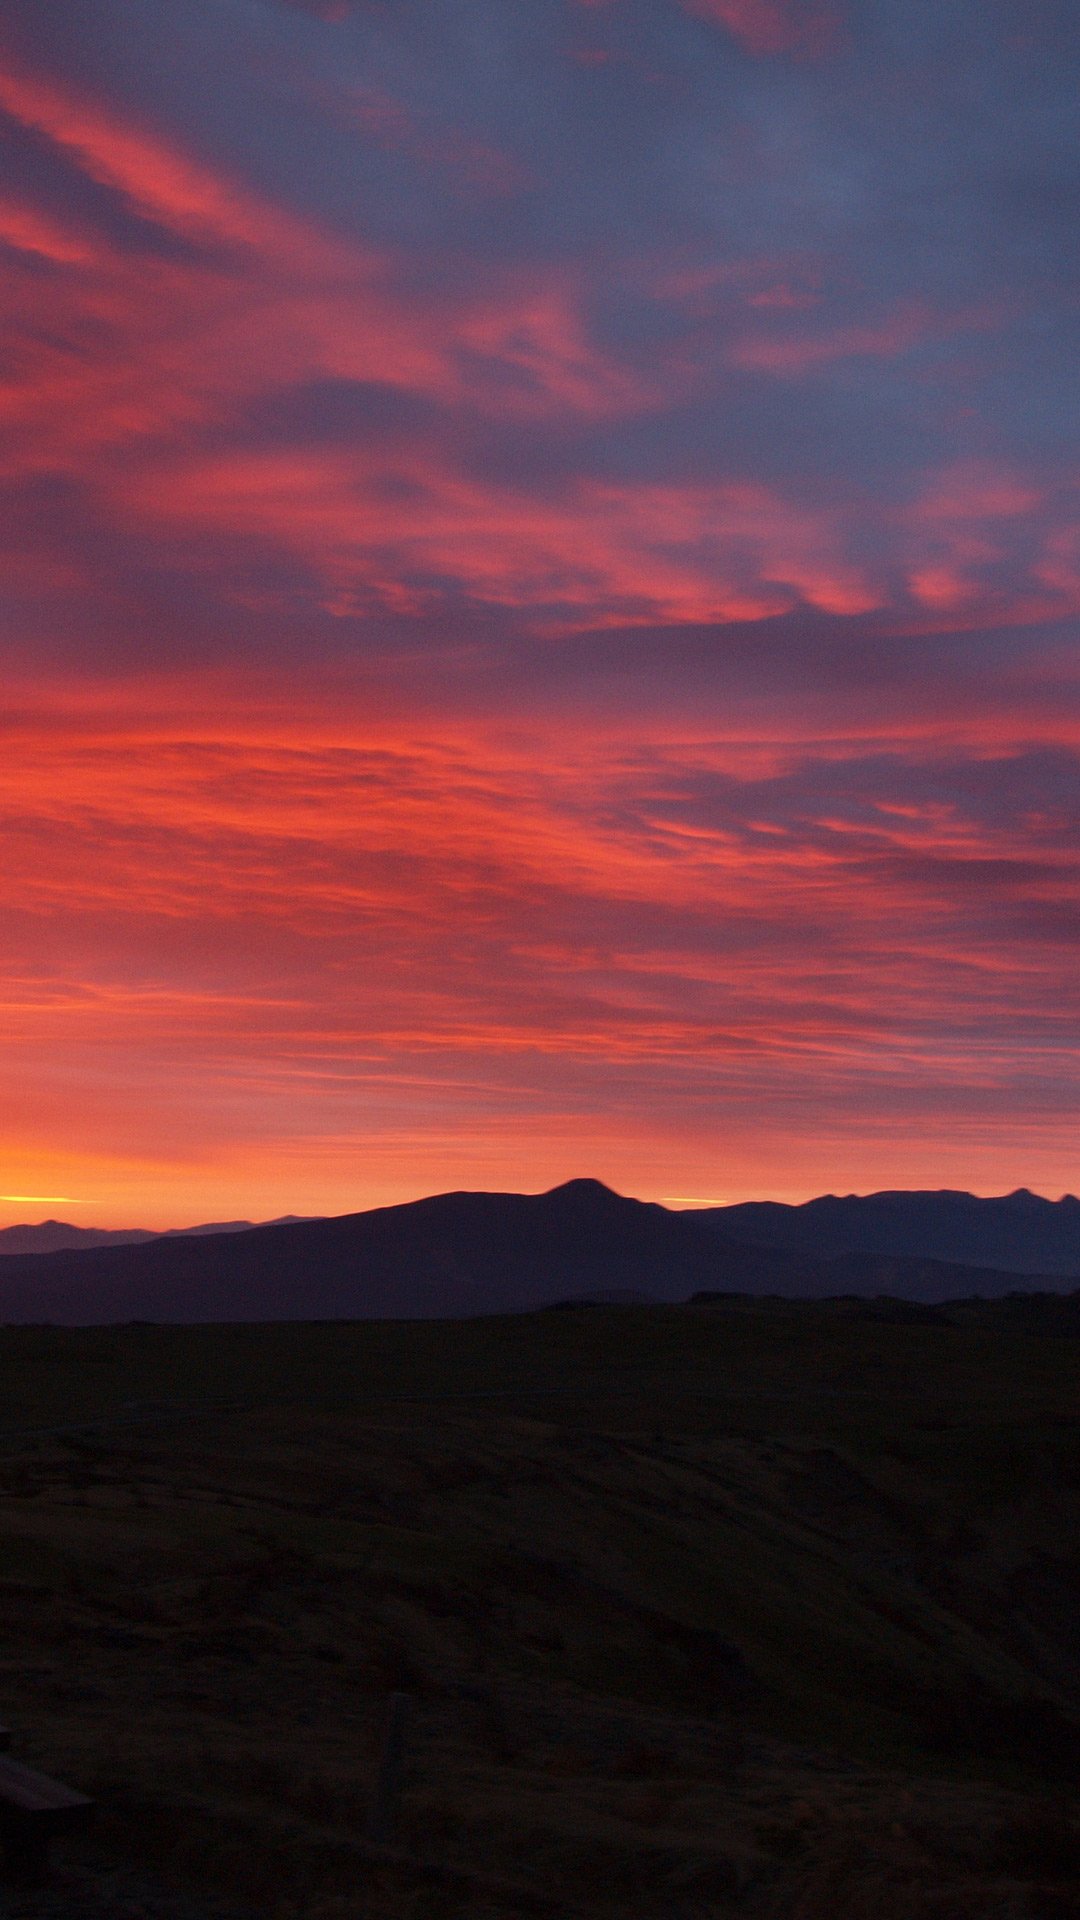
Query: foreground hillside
[
  {"x": 453, "y": 1254},
  {"x": 747, "y": 1609}
]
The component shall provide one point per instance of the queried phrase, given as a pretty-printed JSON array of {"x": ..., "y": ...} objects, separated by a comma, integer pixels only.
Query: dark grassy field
[{"x": 740, "y": 1609}]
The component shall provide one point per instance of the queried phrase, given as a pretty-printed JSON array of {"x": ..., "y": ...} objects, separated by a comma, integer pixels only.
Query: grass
[{"x": 756, "y": 1609}]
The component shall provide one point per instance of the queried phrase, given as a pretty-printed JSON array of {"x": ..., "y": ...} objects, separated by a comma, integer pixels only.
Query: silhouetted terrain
[
  {"x": 750, "y": 1611},
  {"x": 59, "y": 1236},
  {"x": 452, "y": 1255},
  {"x": 1020, "y": 1231}
]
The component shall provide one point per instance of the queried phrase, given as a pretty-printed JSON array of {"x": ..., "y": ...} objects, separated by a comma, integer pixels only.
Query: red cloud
[
  {"x": 158, "y": 355},
  {"x": 340, "y": 945},
  {"x": 594, "y": 556},
  {"x": 29, "y": 230},
  {"x": 165, "y": 184},
  {"x": 318, "y": 935}
]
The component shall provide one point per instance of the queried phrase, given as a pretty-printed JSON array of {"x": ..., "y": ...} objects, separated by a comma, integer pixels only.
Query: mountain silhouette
[
  {"x": 59, "y": 1236},
  {"x": 452, "y": 1255},
  {"x": 1020, "y": 1231}
]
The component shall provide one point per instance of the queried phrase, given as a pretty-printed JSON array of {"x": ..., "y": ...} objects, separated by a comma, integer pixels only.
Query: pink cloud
[
  {"x": 186, "y": 196},
  {"x": 793, "y": 353},
  {"x": 156, "y": 352},
  {"x": 472, "y": 165},
  {"x": 595, "y": 556},
  {"x": 29, "y": 230},
  {"x": 771, "y": 26},
  {"x": 977, "y": 490}
]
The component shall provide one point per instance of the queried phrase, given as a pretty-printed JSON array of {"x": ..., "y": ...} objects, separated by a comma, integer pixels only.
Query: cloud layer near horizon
[{"x": 541, "y": 556}]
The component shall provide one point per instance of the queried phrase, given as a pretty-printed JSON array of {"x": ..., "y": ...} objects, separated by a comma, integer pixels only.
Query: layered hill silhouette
[
  {"x": 1020, "y": 1232},
  {"x": 453, "y": 1255},
  {"x": 59, "y": 1236}
]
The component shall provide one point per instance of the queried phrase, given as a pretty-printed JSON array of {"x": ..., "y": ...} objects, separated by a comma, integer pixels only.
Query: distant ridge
[
  {"x": 1020, "y": 1231},
  {"x": 59, "y": 1236},
  {"x": 56, "y": 1236},
  {"x": 453, "y": 1255}
]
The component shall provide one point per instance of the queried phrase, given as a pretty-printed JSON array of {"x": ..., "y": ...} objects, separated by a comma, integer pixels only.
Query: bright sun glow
[{"x": 39, "y": 1199}]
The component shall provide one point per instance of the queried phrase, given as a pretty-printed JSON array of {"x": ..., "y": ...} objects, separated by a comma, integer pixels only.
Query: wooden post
[{"x": 384, "y": 1801}]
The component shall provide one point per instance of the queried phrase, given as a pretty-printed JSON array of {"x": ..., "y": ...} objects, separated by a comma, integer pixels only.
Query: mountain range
[
  {"x": 59, "y": 1236},
  {"x": 1019, "y": 1232},
  {"x": 460, "y": 1254}
]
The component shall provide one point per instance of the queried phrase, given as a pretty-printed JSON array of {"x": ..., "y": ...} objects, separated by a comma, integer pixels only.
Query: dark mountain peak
[
  {"x": 1021, "y": 1198},
  {"x": 902, "y": 1197},
  {"x": 585, "y": 1185},
  {"x": 584, "y": 1189}
]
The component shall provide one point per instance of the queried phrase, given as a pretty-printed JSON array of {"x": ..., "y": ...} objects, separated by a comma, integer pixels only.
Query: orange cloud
[{"x": 318, "y": 937}]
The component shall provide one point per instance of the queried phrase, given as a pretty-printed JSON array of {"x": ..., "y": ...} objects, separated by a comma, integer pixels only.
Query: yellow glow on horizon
[{"x": 40, "y": 1199}]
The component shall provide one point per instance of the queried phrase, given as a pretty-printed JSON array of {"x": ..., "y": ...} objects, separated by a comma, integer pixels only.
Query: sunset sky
[{"x": 541, "y": 563}]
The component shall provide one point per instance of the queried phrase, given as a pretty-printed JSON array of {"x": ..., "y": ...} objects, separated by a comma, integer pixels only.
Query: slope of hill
[
  {"x": 453, "y": 1255},
  {"x": 1020, "y": 1231}
]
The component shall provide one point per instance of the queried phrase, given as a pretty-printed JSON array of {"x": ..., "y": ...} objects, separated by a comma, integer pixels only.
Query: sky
[{"x": 539, "y": 574}]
